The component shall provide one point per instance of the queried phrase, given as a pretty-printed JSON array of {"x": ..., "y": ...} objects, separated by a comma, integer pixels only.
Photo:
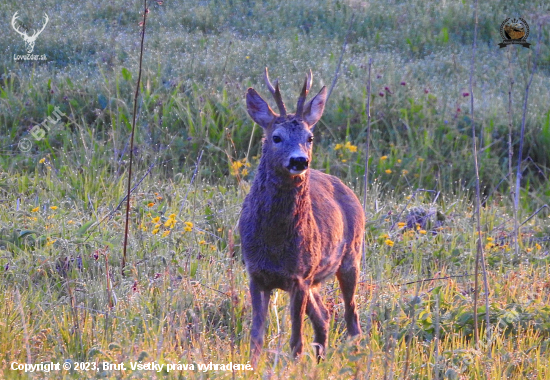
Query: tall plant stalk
[
  {"x": 126, "y": 226},
  {"x": 479, "y": 251}
]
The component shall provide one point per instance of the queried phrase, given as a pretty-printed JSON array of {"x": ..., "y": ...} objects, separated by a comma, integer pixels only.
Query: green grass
[{"x": 184, "y": 297}]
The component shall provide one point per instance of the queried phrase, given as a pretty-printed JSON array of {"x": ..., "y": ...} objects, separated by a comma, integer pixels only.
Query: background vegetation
[{"x": 184, "y": 297}]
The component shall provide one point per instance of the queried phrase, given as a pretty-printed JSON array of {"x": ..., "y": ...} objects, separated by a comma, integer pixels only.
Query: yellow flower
[
  {"x": 188, "y": 229},
  {"x": 338, "y": 146},
  {"x": 399, "y": 161},
  {"x": 420, "y": 159},
  {"x": 489, "y": 238},
  {"x": 383, "y": 158},
  {"x": 388, "y": 171},
  {"x": 166, "y": 233},
  {"x": 53, "y": 207},
  {"x": 156, "y": 220},
  {"x": 423, "y": 232},
  {"x": 489, "y": 246},
  {"x": 172, "y": 216},
  {"x": 529, "y": 249},
  {"x": 50, "y": 242},
  {"x": 405, "y": 171},
  {"x": 344, "y": 161},
  {"x": 537, "y": 246},
  {"x": 150, "y": 204},
  {"x": 155, "y": 231},
  {"x": 170, "y": 223},
  {"x": 401, "y": 224},
  {"x": 213, "y": 247},
  {"x": 157, "y": 225},
  {"x": 244, "y": 172},
  {"x": 351, "y": 148},
  {"x": 159, "y": 198},
  {"x": 35, "y": 209},
  {"x": 247, "y": 57},
  {"x": 384, "y": 236},
  {"x": 389, "y": 242},
  {"x": 202, "y": 242},
  {"x": 189, "y": 224},
  {"x": 42, "y": 160},
  {"x": 70, "y": 222}
]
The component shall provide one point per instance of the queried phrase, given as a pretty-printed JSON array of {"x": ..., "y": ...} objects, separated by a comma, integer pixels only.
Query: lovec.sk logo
[{"x": 29, "y": 40}]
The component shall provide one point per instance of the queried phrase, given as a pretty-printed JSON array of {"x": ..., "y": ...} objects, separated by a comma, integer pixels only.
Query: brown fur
[{"x": 298, "y": 227}]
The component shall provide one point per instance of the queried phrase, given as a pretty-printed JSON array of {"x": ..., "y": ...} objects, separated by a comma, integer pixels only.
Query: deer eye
[
  {"x": 310, "y": 139},
  {"x": 277, "y": 139}
]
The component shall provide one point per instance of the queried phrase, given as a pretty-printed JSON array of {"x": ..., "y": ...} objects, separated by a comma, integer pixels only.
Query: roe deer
[{"x": 298, "y": 226}]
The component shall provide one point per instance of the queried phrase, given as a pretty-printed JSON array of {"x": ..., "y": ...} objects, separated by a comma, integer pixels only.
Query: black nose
[{"x": 299, "y": 163}]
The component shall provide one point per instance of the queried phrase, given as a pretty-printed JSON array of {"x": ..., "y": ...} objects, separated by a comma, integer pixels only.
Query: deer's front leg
[
  {"x": 260, "y": 303},
  {"x": 298, "y": 302}
]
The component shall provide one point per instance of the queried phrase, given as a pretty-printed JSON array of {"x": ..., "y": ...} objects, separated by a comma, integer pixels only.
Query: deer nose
[{"x": 298, "y": 163}]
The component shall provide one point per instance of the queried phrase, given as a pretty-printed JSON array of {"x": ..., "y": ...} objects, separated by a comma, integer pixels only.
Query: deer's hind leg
[
  {"x": 347, "y": 275},
  {"x": 319, "y": 316}
]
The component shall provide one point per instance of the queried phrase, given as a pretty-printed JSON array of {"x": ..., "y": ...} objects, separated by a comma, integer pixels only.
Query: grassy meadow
[{"x": 183, "y": 295}]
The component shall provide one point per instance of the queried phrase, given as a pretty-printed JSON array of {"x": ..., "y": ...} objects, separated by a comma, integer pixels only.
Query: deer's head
[
  {"x": 288, "y": 137},
  {"x": 29, "y": 40}
]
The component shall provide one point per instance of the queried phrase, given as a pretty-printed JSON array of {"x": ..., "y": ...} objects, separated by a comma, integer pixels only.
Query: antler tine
[
  {"x": 276, "y": 92},
  {"x": 303, "y": 94}
]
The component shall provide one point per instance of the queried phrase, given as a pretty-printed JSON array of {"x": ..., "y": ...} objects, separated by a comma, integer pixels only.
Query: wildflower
[
  {"x": 405, "y": 171},
  {"x": 426, "y": 91},
  {"x": 423, "y": 232},
  {"x": 155, "y": 231},
  {"x": 465, "y": 94},
  {"x": 150, "y": 204},
  {"x": 490, "y": 238},
  {"x": 189, "y": 224},
  {"x": 458, "y": 109},
  {"x": 529, "y": 249},
  {"x": 50, "y": 241},
  {"x": 537, "y": 246},
  {"x": 350, "y": 147},
  {"x": 53, "y": 207},
  {"x": 381, "y": 94},
  {"x": 35, "y": 209},
  {"x": 202, "y": 242},
  {"x": 338, "y": 146},
  {"x": 70, "y": 222},
  {"x": 489, "y": 246},
  {"x": 388, "y": 171},
  {"x": 219, "y": 229},
  {"x": 244, "y": 172},
  {"x": 387, "y": 89},
  {"x": 213, "y": 247},
  {"x": 187, "y": 229},
  {"x": 401, "y": 224},
  {"x": 403, "y": 83},
  {"x": 389, "y": 242},
  {"x": 157, "y": 225},
  {"x": 172, "y": 216},
  {"x": 398, "y": 160},
  {"x": 420, "y": 159},
  {"x": 42, "y": 160},
  {"x": 159, "y": 198},
  {"x": 247, "y": 57},
  {"x": 166, "y": 233},
  {"x": 156, "y": 220},
  {"x": 383, "y": 158}
]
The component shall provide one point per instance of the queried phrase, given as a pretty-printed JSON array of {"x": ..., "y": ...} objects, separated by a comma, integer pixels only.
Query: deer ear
[
  {"x": 258, "y": 109},
  {"x": 314, "y": 109}
]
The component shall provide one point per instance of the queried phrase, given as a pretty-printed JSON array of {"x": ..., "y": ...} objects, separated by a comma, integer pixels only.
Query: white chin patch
[{"x": 297, "y": 172}]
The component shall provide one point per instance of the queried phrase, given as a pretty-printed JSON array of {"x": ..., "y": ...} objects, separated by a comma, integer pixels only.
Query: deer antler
[
  {"x": 276, "y": 93},
  {"x": 46, "y": 19},
  {"x": 303, "y": 95},
  {"x": 15, "y": 26}
]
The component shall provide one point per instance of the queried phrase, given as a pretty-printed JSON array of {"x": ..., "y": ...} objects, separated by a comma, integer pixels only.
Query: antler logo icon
[{"x": 29, "y": 40}]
